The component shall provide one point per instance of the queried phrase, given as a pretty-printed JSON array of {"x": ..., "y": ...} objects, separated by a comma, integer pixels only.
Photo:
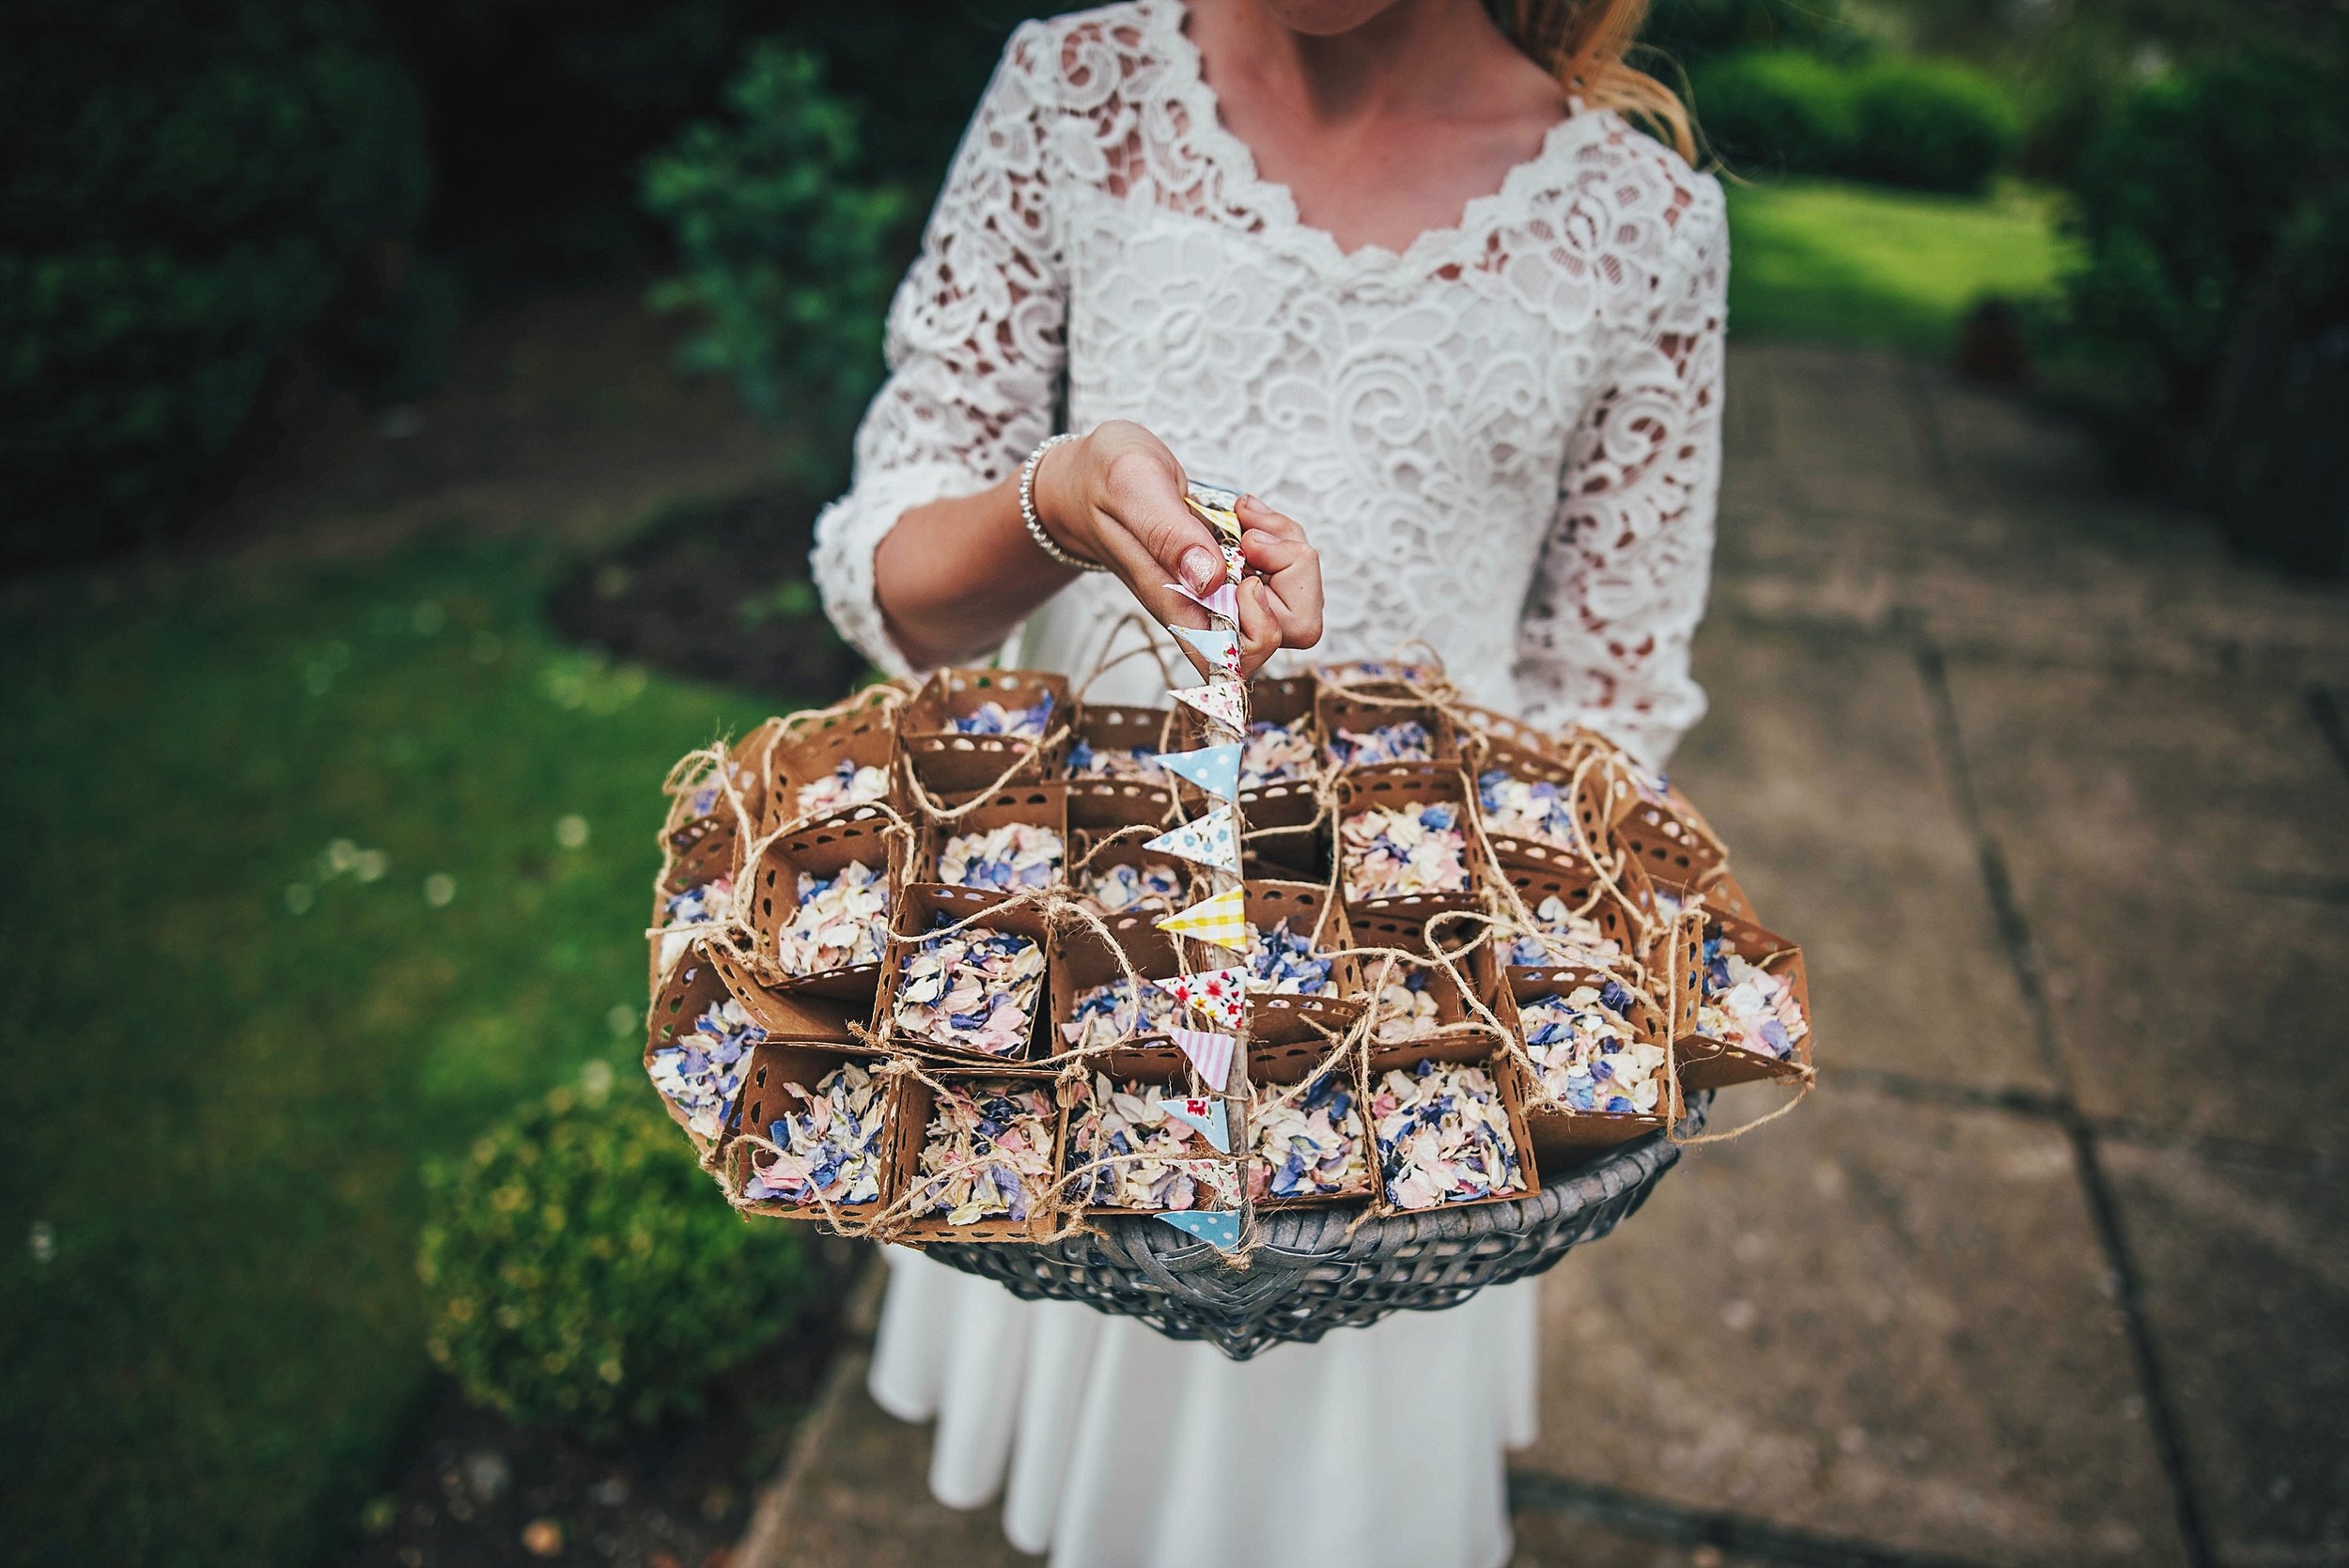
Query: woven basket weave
[{"x": 1306, "y": 1276}]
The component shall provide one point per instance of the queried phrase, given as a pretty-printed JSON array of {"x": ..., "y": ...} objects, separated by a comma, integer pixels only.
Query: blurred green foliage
[
  {"x": 584, "y": 1271},
  {"x": 784, "y": 242},
  {"x": 189, "y": 184},
  {"x": 1934, "y": 125}
]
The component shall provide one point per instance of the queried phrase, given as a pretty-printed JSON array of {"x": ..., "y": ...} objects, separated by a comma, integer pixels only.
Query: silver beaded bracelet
[{"x": 1043, "y": 541}]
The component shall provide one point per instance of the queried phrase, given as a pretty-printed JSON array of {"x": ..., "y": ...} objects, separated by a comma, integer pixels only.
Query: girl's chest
[{"x": 1201, "y": 325}]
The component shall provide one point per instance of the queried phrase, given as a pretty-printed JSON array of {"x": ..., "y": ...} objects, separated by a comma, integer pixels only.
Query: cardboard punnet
[
  {"x": 777, "y": 1069},
  {"x": 1280, "y": 1071},
  {"x": 1278, "y": 1017},
  {"x": 1562, "y": 1134},
  {"x": 1161, "y": 1073},
  {"x": 1280, "y": 814},
  {"x": 1582, "y": 891},
  {"x": 1337, "y": 710},
  {"x": 1409, "y": 786},
  {"x": 864, "y": 734},
  {"x": 909, "y": 1133},
  {"x": 917, "y": 911},
  {"x": 1481, "y": 968},
  {"x": 1038, "y": 805},
  {"x": 820, "y": 850},
  {"x": 945, "y": 760},
  {"x": 1097, "y": 801},
  {"x": 700, "y": 795},
  {"x": 1509, "y": 1082},
  {"x": 1089, "y": 856},
  {"x": 1081, "y": 960},
  {"x": 1709, "y": 1063},
  {"x": 712, "y": 852}
]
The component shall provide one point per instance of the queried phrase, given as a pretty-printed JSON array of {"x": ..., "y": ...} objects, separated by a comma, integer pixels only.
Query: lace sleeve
[
  {"x": 974, "y": 347},
  {"x": 1621, "y": 581}
]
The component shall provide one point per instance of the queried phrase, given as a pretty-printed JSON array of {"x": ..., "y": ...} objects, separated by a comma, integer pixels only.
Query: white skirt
[{"x": 1114, "y": 1447}]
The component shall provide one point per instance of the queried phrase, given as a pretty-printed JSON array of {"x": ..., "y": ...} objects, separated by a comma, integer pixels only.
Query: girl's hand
[{"x": 1116, "y": 497}]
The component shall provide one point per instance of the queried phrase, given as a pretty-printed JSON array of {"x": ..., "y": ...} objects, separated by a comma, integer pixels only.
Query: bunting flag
[
  {"x": 1210, "y": 1053},
  {"x": 1218, "y": 645},
  {"x": 1224, "y": 601},
  {"x": 1222, "y": 995},
  {"x": 1211, "y": 841},
  {"x": 1216, "y": 506},
  {"x": 1205, "y": 1114},
  {"x": 1226, "y": 702},
  {"x": 1217, "y": 1228},
  {"x": 1222, "y": 919},
  {"x": 1213, "y": 769}
]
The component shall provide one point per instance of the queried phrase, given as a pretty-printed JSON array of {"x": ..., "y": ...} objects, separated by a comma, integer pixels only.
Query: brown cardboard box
[
  {"x": 1706, "y": 1064},
  {"x": 1407, "y": 786},
  {"x": 946, "y": 761},
  {"x": 766, "y": 1100},
  {"x": 1508, "y": 1078},
  {"x": 1279, "y": 1019},
  {"x": 1038, "y": 805},
  {"x": 864, "y": 735},
  {"x": 1162, "y": 1072},
  {"x": 1562, "y": 1135},
  {"x": 1280, "y": 1071},
  {"x": 910, "y": 1132},
  {"x": 707, "y": 974},
  {"x": 917, "y": 907},
  {"x": 1098, "y": 801},
  {"x": 820, "y": 850}
]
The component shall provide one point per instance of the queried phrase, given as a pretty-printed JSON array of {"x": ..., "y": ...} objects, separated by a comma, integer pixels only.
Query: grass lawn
[
  {"x": 1864, "y": 265},
  {"x": 240, "y": 1009}
]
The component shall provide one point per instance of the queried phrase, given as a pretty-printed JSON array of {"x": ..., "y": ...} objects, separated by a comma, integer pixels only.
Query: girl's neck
[{"x": 1416, "y": 59}]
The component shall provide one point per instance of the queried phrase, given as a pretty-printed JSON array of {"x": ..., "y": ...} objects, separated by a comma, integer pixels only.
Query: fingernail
[{"x": 1201, "y": 568}]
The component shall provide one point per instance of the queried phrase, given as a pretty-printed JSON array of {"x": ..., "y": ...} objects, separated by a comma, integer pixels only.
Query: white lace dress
[{"x": 1504, "y": 441}]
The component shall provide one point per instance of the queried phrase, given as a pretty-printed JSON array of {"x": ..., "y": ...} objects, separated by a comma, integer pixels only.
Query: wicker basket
[{"x": 1306, "y": 1276}]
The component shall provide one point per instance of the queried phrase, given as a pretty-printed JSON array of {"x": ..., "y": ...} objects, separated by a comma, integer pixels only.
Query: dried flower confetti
[
  {"x": 1406, "y": 740},
  {"x": 1563, "y": 934},
  {"x": 841, "y": 921},
  {"x": 1150, "y": 1160},
  {"x": 1407, "y": 1007},
  {"x": 1588, "y": 1057},
  {"x": 1102, "y": 1016},
  {"x": 1113, "y": 890},
  {"x": 846, "y": 786},
  {"x": 973, "y": 990},
  {"x": 704, "y": 904},
  {"x": 1088, "y": 761},
  {"x": 1276, "y": 753},
  {"x": 1526, "y": 808},
  {"x": 986, "y": 1153},
  {"x": 1747, "y": 1005},
  {"x": 1022, "y": 723},
  {"x": 1443, "y": 1136},
  {"x": 700, "y": 1072},
  {"x": 1308, "y": 1142},
  {"x": 1286, "y": 964},
  {"x": 1395, "y": 853},
  {"x": 831, "y": 1146},
  {"x": 1010, "y": 859}
]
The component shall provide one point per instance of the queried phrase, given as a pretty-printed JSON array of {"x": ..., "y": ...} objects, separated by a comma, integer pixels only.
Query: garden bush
[
  {"x": 583, "y": 1271},
  {"x": 1777, "y": 110},
  {"x": 1932, "y": 124},
  {"x": 1896, "y": 120},
  {"x": 190, "y": 182},
  {"x": 785, "y": 244}
]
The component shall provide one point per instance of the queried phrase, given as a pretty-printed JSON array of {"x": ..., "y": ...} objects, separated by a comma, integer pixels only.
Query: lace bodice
[{"x": 1504, "y": 441}]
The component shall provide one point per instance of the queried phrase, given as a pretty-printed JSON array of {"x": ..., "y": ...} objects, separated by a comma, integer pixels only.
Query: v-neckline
[{"x": 1277, "y": 203}]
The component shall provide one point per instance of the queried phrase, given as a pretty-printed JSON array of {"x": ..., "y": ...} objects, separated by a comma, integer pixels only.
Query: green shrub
[
  {"x": 785, "y": 248},
  {"x": 188, "y": 186},
  {"x": 1777, "y": 110},
  {"x": 582, "y": 1270},
  {"x": 2181, "y": 193},
  {"x": 1932, "y": 124},
  {"x": 1897, "y": 119}
]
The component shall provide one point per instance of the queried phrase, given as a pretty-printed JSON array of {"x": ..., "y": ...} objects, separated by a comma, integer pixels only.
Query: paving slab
[
  {"x": 1872, "y": 1320},
  {"x": 2199, "y": 1010},
  {"x": 2244, "y": 1280},
  {"x": 2123, "y": 772},
  {"x": 1818, "y": 765},
  {"x": 1562, "y": 1541}
]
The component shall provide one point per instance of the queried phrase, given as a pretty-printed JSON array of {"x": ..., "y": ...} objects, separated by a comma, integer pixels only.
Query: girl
[{"x": 1404, "y": 268}]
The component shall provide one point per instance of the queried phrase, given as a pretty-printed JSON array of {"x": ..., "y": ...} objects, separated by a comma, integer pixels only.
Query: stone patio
[{"x": 2054, "y": 1268}]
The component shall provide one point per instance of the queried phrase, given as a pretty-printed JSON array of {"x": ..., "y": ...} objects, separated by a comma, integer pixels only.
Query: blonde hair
[{"x": 1583, "y": 44}]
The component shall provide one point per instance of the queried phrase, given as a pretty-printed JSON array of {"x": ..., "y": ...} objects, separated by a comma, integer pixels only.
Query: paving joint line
[
  {"x": 2104, "y": 1211},
  {"x": 1675, "y": 1524},
  {"x": 2021, "y": 1100},
  {"x": 2325, "y": 707}
]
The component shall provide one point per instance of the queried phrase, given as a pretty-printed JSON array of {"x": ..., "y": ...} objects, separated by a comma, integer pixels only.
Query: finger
[
  {"x": 1259, "y": 626},
  {"x": 1294, "y": 597},
  {"x": 1271, "y": 553},
  {"x": 1144, "y": 494},
  {"x": 1253, "y": 513}
]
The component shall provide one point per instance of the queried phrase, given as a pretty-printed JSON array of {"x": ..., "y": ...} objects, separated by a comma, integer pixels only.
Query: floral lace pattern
[{"x": 1520, "y": 411}]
